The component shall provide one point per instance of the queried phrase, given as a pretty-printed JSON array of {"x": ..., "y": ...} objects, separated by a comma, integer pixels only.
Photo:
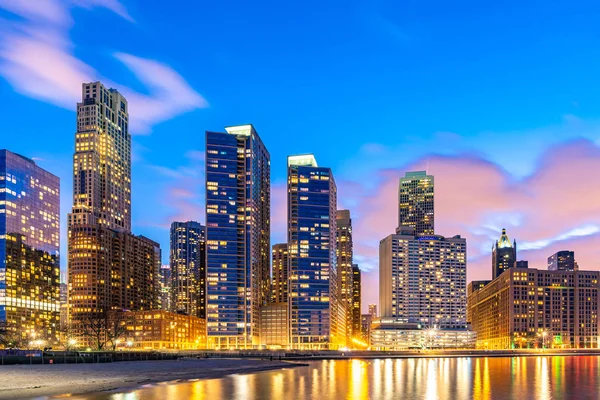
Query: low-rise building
[{"x": 274, "y": 325}]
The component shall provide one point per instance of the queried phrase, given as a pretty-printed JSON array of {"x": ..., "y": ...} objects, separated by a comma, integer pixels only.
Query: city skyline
[{"x": 526, "y": 190}]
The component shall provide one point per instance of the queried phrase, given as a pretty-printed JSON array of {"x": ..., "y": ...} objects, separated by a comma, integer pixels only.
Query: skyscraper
[
  {"x": 238, "y": 199},
  {"x": 29, "y": 250},
  {"x": 562, "y": 261},
  {"x": 165, "y": 286},
  {"x": 109, "y": 267},
  {"x": 188, "y": 271},
  {"x": 423, "y": 280},
  {"x": 317, "y": 320},
  {"x": 373, "y": 310},
  {"x": 280, "y": 273},
  {"x": 356, "y": 303},
  {"x": 504, "y": 255},
  {"x": 344, "y": 251},
  {"x": 416, "y": 203}
]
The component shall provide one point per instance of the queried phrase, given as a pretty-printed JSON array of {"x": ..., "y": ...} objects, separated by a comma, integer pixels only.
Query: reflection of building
[
  {"x": 29, "y": 250},
  {"x": 188, "y": 272},
  {"x": 356, "y": 303},
  {"x": 280, "y": 273},
  {"x": 562, "y": 261},
  {"x": 504, "y": 255},
  {"x": 274, "y": 325},
  {"x": 416, "y": 205},
  {"x": 395, "y": 334},
  {"x": 317, "y": 321},
  {"x": 365, "y": 321},
  {"x": 525, "y": 308},
  {"x": 422, "y": 279},
  {"x": 109, "y": 267},
  {"x": 237, "y": 235},
  {"x": 160, "y": 329},
  {"x": 164, "y": 278},
  {"x": 344, "y": 268}
]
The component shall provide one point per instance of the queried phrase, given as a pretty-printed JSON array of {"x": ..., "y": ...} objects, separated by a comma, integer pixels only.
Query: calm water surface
[{"x": 524, "y": 378}]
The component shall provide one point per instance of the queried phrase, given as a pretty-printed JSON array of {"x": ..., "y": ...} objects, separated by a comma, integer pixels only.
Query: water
[{"x": 522, "y": 378}]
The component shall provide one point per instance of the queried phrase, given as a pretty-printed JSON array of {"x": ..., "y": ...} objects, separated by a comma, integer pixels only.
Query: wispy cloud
[{"x": 42, "y": 33}]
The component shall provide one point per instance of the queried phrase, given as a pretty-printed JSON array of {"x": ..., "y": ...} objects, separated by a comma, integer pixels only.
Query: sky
[{"x": 500, "y": 101}]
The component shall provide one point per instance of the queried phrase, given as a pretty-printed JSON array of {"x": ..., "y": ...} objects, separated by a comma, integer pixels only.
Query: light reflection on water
[{"x": 544, "y": 378}]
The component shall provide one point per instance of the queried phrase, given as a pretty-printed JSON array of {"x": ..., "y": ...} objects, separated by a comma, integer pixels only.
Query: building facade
[
  {"x": 373, "y": 310},
  {"x": 422, "y": 280},
  {"x": 274, "y": 329},
  {"x": 317, "y": 320},
  {"x": 164, "y": 278},
  {"x": 237, "y": 236},
  {"x": 344, "y": 252},
  {"x": 531, "y": 308},
  {"x": 280, "y": 273},
  {"x": 416, "y": 203},
  {"x": 29, "y": 250},
  {"x": 504, "y": 255},
  {"x": 356, "y": 303},
  {"x": 188, "y": 268},
  {"x": 562, "y": 261}
]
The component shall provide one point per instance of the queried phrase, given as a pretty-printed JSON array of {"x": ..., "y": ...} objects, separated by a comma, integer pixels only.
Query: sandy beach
[{"x": 29, "y": 381}]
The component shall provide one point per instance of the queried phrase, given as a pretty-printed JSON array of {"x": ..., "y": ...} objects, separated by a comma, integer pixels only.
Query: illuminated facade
[
  {"x": 109, "y": 267},
  {"x": 366, "y": 321},
  {"x": 373, "y": 310},
  {"x": 237, "y": 236},
  {"x": 279, "y": 285},
  {"x": 274, "y": 328},
  {"x": 188, "y": 268},
  {"x": 504, "y": 255},
  {"x": 416, "y": 203},
  {"x": 160, "y": 330},
  {"x": 317, "y": 320},
  {"x": 389, "y": 334},
  {"x": 344, "y": 251},
  {"x": 29, "y": 250},
  {"x": 423, "y": 280},
  {"x": 562, "y": 261},
  {"x": 356, "y": 303},
  {"x": 164, "y": 278},
  {"x": 531, "y": 308}
]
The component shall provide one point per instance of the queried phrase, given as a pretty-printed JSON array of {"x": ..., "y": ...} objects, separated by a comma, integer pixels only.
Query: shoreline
[{"x": 35, "y": 381}]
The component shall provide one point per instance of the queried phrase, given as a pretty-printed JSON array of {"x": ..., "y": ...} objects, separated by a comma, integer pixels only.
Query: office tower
[
  {"x": 562, "y": 261},
  {"x": 504, "y": 255},
  {"x": 366, "y": 320},
  {"x": 238, "y": 199},
  {"x": 373, "y": 310},
  {"x": 416, "y": 203},
  {"x": 280, "y": 273},
  {"x": 356, "y": 303},
  {"x": 29, "y": 251},
  {"x": 188, "y": 271},
  {"x": 344, "y": 254},
  {"x": 165, "y": 287},
  {"x": 109, "y": 267},
  {"x": 317, "y": 320},
  {"x": 422, "y": 280},
  {"x": 533, "y": 308}
]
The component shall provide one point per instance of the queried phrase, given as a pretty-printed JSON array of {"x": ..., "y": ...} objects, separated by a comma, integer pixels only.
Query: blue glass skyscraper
[
  {"x": 29, "y": 251},
  {"x": 237, "y": 236},
  {"x": 317, "y": 319}
]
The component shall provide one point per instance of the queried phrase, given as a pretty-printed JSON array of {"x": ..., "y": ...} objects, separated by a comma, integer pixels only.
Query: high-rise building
[
  {"x": 366, "y": 320},
  {"x": 504, "y": 255},
  {"x": 109, "y": 267},
  {"x": 188, "y": 268},
  {"x": 344, "y": 251},
  {"x": 531, "y": 308},
  {"x": 317, "y": 320},
  {"x": 238, "y": 199},
  {"x": 280, "y": 273},
  {"x": 29, "y": 250},
  {"x": 373, "y": 310},
  {"x": 422, "y": 279},
  {"x": 562, "y": 261},
  {"x": 416, "y": 203},
  {"x": 165, "y": 287},
  {"x": 356, "y": 303}
]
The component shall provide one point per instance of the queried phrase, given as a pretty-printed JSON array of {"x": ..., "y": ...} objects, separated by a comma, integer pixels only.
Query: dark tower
[{"x": 504, "y": 255}]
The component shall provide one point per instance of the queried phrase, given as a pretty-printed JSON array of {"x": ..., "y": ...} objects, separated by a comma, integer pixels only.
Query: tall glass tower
[
  {"x": 416, "y": 203},
  {"x": 238, "y": 227},
  {"x": 29, "y": 251},
  {"x": 344, "y": 250},
  {"x": 188, "y": 272},
  {"x": 317, "y": 320}
]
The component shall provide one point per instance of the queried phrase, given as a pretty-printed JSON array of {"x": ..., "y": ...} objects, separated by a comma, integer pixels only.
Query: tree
[
  {"x": 9, "y": 339},
  {"x": 104, "y": 328}
]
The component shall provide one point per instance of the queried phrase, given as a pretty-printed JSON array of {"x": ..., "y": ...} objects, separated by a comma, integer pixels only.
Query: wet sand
[{"x": 31, "y": 381}]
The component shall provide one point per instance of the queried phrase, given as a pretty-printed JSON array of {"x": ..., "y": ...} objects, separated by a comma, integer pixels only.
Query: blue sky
[{"x": 490, "y": 90}]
